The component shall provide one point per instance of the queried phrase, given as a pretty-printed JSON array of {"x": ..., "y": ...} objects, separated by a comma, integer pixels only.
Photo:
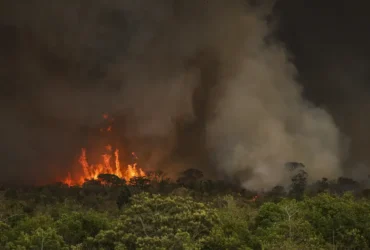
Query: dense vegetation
[{"x": 192, "y": 213}]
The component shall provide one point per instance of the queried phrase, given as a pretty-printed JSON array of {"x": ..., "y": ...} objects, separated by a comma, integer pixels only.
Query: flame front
[{"x": 91, "y": 172}]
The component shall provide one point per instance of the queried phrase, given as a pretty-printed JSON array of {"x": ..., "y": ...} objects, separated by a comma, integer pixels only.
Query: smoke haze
[{"x": 196, "y": 83}]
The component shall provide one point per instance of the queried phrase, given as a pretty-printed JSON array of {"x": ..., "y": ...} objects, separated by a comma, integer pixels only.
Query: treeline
[{"x": 154, "y": 212}]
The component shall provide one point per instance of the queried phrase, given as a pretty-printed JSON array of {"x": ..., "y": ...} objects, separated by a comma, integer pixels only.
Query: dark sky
[{"x": 328, "y": 41}]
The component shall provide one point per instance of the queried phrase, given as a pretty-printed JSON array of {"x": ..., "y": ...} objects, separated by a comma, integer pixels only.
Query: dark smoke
[{"x": 195, "y": 83}]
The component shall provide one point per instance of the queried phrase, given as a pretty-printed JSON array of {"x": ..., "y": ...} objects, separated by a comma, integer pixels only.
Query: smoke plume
[{"x": 196, "y": 83}]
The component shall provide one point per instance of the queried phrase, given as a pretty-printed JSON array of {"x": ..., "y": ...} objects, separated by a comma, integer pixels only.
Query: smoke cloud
[{"x": 196, "y": 83}]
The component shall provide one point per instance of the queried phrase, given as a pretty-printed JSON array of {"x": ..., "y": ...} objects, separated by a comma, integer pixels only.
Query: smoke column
[{"x": 174, "y": 69}]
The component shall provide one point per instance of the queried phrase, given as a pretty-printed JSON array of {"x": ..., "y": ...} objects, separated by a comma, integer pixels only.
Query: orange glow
[
  {"x": 68, "y": 180},
  {"x": 91, "y": 172},
  {"x": 108, "y": 147},
  {"x": 83, "y": 162},
  {"x": 110, "y": 164},
  {"x": 117, "y": 163}
]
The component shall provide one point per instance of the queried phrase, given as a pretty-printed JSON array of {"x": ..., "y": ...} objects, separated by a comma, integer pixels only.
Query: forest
[{"x": 155, "y": 212}]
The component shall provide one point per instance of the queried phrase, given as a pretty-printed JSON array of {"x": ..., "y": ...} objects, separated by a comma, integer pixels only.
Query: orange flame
[
  {"x": 91, "y": 172},
  {"x": 68, "y": 180}
]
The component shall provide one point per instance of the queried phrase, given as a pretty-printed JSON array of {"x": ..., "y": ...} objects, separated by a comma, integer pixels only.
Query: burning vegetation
[
  {"x": 93, "y": 171},
  {"x": 110, "y": 164}
]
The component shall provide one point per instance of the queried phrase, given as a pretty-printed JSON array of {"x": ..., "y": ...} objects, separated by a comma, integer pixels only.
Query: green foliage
[
  {"x": 76, "y": 227},
  {"x": 342, "y": 220},
  {"x": 124, "y": 197},
  {"x": 107, "y": 214},
  {"x": 24, "y": 226},
  {"x": 231, "y": 231},
  {"x": 285, "y": 223},
  {"x": 159, "y": 222},
  {"x": 46, "y": 239}
]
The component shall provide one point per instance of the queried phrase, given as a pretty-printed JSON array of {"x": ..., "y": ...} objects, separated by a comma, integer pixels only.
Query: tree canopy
[{"x": 154, "y": 212}]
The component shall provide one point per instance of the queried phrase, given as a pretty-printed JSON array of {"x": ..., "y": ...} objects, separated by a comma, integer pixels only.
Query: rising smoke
[{"x": 203, "y": 77}]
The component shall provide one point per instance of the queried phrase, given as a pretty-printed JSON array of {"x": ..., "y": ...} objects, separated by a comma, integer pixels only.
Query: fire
[
  {"x": 110, "y": 164},
  {"x": 91, "y": 172}
]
